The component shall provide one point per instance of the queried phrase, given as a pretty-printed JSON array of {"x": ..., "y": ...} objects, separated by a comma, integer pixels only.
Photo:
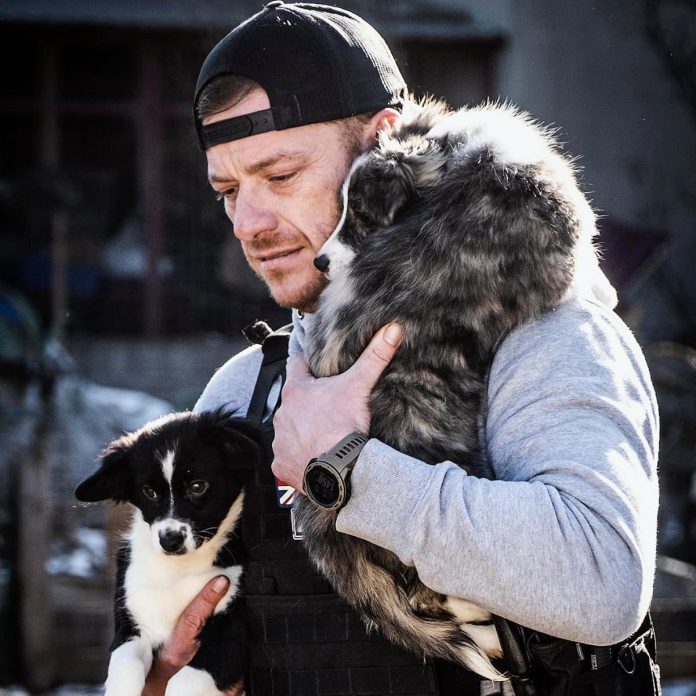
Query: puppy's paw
[
  {"x": 124, "y": 684},
  {"x": 128, "y": 667},
  {"x": 192, "y": 682}
]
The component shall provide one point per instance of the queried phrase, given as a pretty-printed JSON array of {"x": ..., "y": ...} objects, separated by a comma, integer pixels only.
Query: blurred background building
[{"x": 118, "y": 267}]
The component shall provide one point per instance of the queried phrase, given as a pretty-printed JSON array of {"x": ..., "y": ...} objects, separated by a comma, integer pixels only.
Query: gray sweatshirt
[{"x": 564, "y": 540}]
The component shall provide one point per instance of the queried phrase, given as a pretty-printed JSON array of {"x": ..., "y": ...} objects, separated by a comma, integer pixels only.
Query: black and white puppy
[
  {"x": 460, "y": 226},
  {"x": 184, "y": 474}
]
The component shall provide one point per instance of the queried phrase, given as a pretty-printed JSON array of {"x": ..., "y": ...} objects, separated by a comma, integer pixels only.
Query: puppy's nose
[
  {"x": 322, "y": 263},
  {"x": 172, "y": 541}
]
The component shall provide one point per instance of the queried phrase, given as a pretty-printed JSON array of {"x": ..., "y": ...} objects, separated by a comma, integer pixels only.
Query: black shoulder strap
[{"x": 275, "y": 355}]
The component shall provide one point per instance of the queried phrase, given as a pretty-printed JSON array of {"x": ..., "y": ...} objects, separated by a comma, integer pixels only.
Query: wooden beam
[
  {"x": 150, "y": 180},
  {"x": 34, "y": 531},
  {"x": 50, "y": 164},
  {"x": 35, "y": 500}
]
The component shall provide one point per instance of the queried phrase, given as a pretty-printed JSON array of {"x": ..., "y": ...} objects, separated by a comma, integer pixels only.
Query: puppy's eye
[
  {"x": 197, "y": 488},
  {"x": 149, "y": 493}
]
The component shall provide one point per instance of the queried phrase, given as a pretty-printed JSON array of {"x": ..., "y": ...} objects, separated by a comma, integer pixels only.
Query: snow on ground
[
  {"x": 86, "y": 559},
  {"x": 679, "y": 687},
  {"x": 133, "y": 408}
]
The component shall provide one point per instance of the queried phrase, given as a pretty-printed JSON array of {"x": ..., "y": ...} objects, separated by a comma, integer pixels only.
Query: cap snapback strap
[{"x": 236, "y": 128}]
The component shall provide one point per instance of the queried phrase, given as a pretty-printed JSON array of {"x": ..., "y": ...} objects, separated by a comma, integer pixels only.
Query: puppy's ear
[
  {"x": 239, "y": 438},
  {"x": 395, "y": 174},
  {"x": 113, "y": 479},
  {"x": 245, "y": 446}
]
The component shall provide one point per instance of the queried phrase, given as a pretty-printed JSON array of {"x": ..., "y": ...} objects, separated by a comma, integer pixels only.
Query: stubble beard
[
  {"x": 304, "y": 296},
  {"x": 304, "y": 299}
]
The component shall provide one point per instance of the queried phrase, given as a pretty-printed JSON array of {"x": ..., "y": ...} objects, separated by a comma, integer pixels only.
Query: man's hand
[
  {"x": 183, "y": 645},
  {"x": 316, "y": 413}
]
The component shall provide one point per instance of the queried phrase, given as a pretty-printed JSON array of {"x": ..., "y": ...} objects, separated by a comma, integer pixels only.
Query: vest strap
[{"x": 275, "y": 353}]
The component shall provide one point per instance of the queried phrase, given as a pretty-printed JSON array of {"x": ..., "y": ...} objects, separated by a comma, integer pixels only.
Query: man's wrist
[
  {"x": 326, "y": 480},
  {"x": 158, "y": 678}
]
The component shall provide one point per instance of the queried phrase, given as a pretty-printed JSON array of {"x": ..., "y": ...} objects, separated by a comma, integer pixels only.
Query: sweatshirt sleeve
[{"x": 563, "y": 541}]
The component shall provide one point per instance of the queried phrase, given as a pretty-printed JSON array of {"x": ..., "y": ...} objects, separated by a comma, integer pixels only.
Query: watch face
[{"x": 323, "y": 485}]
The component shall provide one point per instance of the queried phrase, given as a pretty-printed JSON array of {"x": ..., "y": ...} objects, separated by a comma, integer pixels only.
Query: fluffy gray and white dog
[{"x": 460, "y": 226}]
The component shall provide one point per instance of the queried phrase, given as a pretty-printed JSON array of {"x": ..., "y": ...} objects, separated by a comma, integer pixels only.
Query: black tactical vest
[{"x": 304, "y": 640}]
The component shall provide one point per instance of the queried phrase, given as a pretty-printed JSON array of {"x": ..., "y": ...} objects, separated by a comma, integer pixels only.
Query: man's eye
[
  {"x": 149, "y": 493},
  {"x": 197, "y": 488},
  {"x": 280, "y": 178},
  {"x": 228, "y": 193}
]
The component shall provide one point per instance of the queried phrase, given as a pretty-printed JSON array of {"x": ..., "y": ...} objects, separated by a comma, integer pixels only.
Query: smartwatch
[{"x": 327, "y": 477}]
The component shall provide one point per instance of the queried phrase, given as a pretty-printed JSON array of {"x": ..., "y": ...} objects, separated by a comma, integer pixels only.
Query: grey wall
[{"x": 590, "y": 68}]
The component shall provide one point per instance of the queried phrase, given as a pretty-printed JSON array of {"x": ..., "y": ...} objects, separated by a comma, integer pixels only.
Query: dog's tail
[
  {"x": 386, "y": 605},
  {"x": 371, "y": 580}
]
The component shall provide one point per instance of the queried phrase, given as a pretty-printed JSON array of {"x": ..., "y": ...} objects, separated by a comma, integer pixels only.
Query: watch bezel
[
  {"x": 343, "y": 484},
  {"x": 338, "y": 462}
]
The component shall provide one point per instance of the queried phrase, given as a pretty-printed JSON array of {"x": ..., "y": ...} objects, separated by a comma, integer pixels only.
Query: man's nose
[
  {"x": 251, "y": 216},
  {"x": 321, "y": 262}
]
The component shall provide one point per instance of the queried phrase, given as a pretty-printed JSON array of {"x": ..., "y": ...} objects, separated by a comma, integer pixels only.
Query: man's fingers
[
  {"x": 183, "y": 644},
  {"x": 236, "y": 690},
  {"x": 204, "y": 603},
  {"x": 316, "y": 413},
  {"x": 375, "y": 358},
  {"x": 180, "y": 649}
]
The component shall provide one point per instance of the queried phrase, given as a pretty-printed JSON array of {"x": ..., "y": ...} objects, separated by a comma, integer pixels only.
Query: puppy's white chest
[{"x": 156, "y": 599}]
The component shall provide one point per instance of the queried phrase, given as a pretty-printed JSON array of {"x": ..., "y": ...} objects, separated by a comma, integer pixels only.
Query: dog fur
[
  {"x": 460, "y": 226},
  {"x": 184, "y": 474}
]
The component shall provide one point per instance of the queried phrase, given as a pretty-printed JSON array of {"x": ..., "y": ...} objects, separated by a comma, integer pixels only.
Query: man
[{"x": 564, "y": 541}]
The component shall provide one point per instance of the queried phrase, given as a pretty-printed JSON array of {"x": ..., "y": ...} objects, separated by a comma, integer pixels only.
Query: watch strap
[{"x": 344, "y": 453}]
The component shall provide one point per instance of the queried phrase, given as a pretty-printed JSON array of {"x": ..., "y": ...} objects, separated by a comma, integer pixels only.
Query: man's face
[{"x": 280, "y": 190}]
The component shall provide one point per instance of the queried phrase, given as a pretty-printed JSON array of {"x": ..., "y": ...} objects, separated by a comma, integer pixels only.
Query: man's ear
[
  {"x": 384, "y": 121},
  {"x": 113, "y": 480}
]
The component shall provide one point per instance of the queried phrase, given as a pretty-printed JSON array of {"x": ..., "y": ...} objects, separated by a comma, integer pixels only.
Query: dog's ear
[
  {"x": 112, "y": 481},
  {"x": 246, "y": 447},
  {"x": 238, "y": 438},
  {"x": 393, "y": 175}
]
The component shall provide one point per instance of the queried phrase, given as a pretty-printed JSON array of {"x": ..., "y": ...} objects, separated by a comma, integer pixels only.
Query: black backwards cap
[{"x": 317, "y": 63}]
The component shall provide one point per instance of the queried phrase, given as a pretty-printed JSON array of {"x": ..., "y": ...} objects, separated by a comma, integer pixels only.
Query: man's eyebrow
[
  {"x": 256, "y": 167},
  {"x": 274, "y": 159},
  {"x": 215, "y": 179}
]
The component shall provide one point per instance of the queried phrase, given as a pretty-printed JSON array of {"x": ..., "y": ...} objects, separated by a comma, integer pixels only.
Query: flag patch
[{"x": 285, "y": 494}]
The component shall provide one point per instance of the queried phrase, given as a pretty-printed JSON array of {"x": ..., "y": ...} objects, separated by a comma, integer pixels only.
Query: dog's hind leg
[
  {"x": 128, "y": 667},
  {"x": 222, "y": 656},
  {"x": 192, "y": 682},
  {"x": 426, "y": 602}
]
